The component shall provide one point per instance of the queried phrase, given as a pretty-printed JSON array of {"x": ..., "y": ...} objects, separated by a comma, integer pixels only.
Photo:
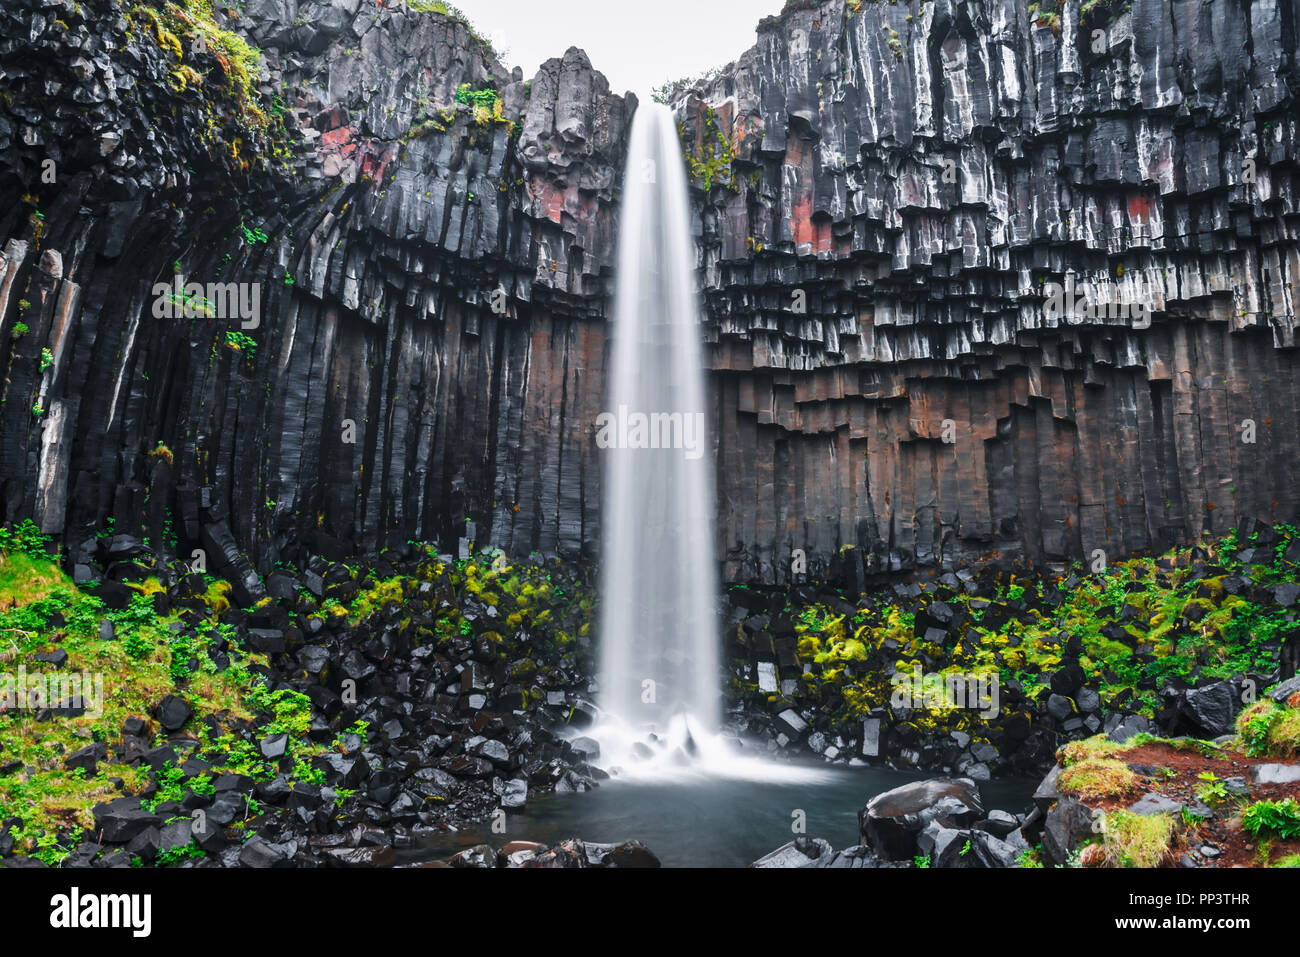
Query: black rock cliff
[{"x": 885, "y": 192}]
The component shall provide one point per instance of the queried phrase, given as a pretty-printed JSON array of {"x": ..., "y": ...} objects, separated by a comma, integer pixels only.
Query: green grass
[
  {"x": 146, "y": 663},
  {"x": 1097, "y": 778},
  {"x": 1136, "y": 840}
]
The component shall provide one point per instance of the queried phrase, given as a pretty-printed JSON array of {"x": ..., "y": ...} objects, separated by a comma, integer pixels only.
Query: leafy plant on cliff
[
  {"x": 486, "y": 104},
  {"x": 241, "y": 343},
  {"x": 895, "y": 43},
  {"x": 161, "y": 451},
  {"x": 1046, "y": 13},
  {"x": 253, "y": 236},
  {"x": 710, "y": 164}
]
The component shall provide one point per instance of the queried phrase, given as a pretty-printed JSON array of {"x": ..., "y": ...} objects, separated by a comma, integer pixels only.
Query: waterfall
[
  {"x": 659, "y": 629},
  {"x": 659, "y": 581}
]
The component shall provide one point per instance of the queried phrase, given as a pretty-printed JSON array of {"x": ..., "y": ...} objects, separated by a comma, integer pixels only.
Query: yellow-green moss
[
  {"x": 1136, "y": 840},
  {"x": 217, "y": 596},
  {"x": 372, "y": 600},
  {"x": 1095, "y": 778}
]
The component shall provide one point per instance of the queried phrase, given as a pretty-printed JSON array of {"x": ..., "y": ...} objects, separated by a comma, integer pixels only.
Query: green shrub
[
  {"x": 24, "y": 537},
  {"x": 1280, "y": 818},
  {"x": 1213, "y": 792}
]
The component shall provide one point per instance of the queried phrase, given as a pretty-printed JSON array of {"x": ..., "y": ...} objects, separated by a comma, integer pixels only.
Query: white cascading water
[{"x": 659, "y": 660}]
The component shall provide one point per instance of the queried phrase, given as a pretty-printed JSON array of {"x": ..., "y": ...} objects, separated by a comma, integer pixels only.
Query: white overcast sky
[{"x": 637, "y": 46}]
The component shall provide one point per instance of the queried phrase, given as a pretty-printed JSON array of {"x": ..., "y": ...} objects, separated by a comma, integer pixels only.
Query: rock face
[
  {"x": 883, "y": 193},
  {"x": 1120, "y": 158}
]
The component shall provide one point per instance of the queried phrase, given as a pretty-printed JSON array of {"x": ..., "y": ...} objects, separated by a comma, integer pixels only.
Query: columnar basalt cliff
[
  {"x": 884, "y": 189},
  {"x": 917, "y": 171}
]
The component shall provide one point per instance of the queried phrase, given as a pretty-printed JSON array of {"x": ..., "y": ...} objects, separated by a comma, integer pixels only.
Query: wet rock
[
  {"x": 172, "y": 713},
  {"x": 175, "y": 835},
  {"x": 515, "y": 795},
  {"x": 998, "y": 823},
  {"x": 871, "y": 738},
  {"x": 1275, "y": 773},
  {"x": 802, "y": 852},
  {"x": 518, "y": 853},
  {"x": 1066, "y": 824},
  {"x": 629, "y": 854},
  {"x": 1153, "y": 803},
  {"x": 791, "y": 724},
  {"x": 891, "y": 822},
  {"x": 83, "y": 856},
  {"x": 360, "y": 856},
  {"x": 86, "y": 758},
  {"x": 479, "y": 856},
  {"x": 1212, "y": 710},
  {"x": 1046, "y": 793},
  {"x": 146, "y": 844},
  {"x": 122, "y": 819},
  {"x": 584, "y": 714},
  {"x": 1128, "y": 728},
  {"x": 1285, "y": 690},
  {"x": 257, "y": 853},
  {"x": 225, "y": 807},
  {"x": 274, "y": 746},
  {"x": 1059, "y": 707},
  {"x": 492, "y": 750},
  {"x": 116, "y": 858}
]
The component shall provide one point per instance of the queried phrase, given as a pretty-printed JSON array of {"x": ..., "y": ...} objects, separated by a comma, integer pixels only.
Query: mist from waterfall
[{"x": 659, "y": 638}]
